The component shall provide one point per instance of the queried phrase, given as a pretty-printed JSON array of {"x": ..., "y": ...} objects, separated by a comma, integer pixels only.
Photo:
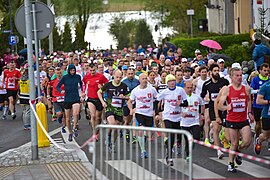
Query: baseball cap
[
  {"x": 184, "y": 60},
  {"x": 193, "y": 65},
  {"x": 197, "y": 51},
  {"x": 220, "y": 60},
  {"x": 127, "y": 55},
  {"x": 236, "y": 65},
  {"x": 201, "y": 63},
  {"x": 141, "y": 54},
  {"x": 124, "y": 67},
  {"x": 170, "y": 77},
  {"x": 138, "y": 64}
]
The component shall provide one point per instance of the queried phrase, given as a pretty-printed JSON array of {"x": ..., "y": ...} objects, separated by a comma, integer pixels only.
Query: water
[{"x": 98, "y": 25}]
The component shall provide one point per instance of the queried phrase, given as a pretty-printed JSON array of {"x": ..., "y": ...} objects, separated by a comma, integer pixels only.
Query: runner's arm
[
  {"x": 250, "y": 115},
  {"x": 224, "y": 92}
]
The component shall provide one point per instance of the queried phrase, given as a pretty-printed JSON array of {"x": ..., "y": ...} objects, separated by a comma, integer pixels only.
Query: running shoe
[
  {"x": 70, "y": 137},
  {"x": 158, "y": 134},
  {"x": 238, "y": 159},
  {"x": 26, "y": 127},
  {"x": 13, "y": 116},
  {"x": 220, "y": 154},
  {"x": 231, "y": 168},
  {"x": 75, "y": 132},
  {"x": 257, "y": 146},
  {"x": 63, "y": 129},
  {"x": 112, "y": 148},
  {"x": 4, "y": 117},
  {"x": 226, "y": 145},
  {"x": 134, "y": 140},
  {"x": 77, "y": 127},
  {"x": 121, "y": 133},
  {"x": 127, "y": 137},
  {"x": 59, "y": 119},
  {"x": 144, "y": 155},
  {"x": 169, "y": 161},
  {"x": 207, "y": 142},
  {"x": 176, "y": 148},
  {"x": 54, "y": 118},
  {"x": 165, "y": 140},
  {"x": 268, "y": 146},
  {"x": 222, "y": 135},
  {"x": 187, "y": 159}
]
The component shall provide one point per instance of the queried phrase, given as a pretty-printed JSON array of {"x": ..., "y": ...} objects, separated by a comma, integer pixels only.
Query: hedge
[{"x": 189, "y": 45}]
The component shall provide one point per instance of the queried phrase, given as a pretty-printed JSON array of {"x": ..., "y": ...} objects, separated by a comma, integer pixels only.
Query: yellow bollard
[{"x": 42, "y": 114}]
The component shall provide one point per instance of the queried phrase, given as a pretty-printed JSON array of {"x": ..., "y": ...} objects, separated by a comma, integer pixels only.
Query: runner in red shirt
[
  {"x": 237, "y": 98},
  {"x": 93, "y": 82},
  {"x": 11, "y": 79},
  {"x": 57, "y": 98}
]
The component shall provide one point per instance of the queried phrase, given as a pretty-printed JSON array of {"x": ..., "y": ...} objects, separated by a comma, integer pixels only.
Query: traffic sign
[
  {"x": 12, "y": 39},
  {"x": 190, "y": 12},
  {"x": 44, "y": 20},
  {"x": 6, "y": 31}
]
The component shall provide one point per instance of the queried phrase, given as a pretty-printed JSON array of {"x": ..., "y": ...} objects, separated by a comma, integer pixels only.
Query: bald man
[
  {"x": 144, "y": 96},
  {"x": 117, "y": 92}
]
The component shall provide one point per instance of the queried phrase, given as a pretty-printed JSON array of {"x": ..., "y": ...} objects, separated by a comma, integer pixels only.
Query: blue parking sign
[{"x": 12, "y": 40}]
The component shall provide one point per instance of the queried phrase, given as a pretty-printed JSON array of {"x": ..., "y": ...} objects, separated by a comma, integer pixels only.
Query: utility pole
[
  {"x": 10, "y": 25},
  {"x": 29, "y": 37},
  {"x": 51, "y": 34}
]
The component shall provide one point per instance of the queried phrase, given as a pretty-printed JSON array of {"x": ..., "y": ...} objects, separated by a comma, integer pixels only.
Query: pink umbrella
[{"x": 211, "y": 44}]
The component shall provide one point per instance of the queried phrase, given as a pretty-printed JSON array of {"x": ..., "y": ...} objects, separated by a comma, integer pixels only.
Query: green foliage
[
  {"x": 57, "y": 40},
  {"x": 79, "y": 42},
  {"x": 66, "y": 38},
  {"x": 189, "y": 45},
  {"x": 143, "y": 35},
  {"x": 238, "y": 53},
  {"x": 122, "y": 31}
]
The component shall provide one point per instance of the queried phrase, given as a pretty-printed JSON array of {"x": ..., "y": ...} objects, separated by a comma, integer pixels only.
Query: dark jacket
[{"x": 71, "y": 84}]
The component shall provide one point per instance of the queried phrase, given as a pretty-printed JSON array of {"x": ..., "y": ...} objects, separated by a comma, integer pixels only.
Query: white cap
[
  {"x": 127, "y": 55},
  {"x": 220, "y": 60},
  {"x": 141, "y": 54},
  {"x": 193, "y": 65},
  {"x": 184, "y": 60},
  {"x": 91, "y": 58},
  {"x": 95, "y": 61},
  {"x": 236, "y": 65},
  {"x": 197, "y": 51}
]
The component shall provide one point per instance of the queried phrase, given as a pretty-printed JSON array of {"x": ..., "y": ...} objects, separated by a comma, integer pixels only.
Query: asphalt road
[{"x": 126, "y": 162}]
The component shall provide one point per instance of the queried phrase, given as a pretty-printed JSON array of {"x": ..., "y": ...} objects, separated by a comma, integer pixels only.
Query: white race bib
[
  {"x": 214, "y": 96},
  {"x": 238, "y": 106},
  {"x": 11, "y": 82},
  {"x": 116, "y": 102},
  {"x": 60, "y": 99}
]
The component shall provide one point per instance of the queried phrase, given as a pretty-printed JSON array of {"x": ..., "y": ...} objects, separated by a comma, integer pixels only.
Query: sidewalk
[{"x": 53, "y": 163}]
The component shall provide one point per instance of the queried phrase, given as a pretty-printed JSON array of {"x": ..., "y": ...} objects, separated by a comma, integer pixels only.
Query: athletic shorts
[
  {"x": 257, "y": 112},
  {"x": 127, "y": 111},
  {"x": 266, "y": 124},
  {"x": 96, "y": 103},
  {"x": 59, "y": 107},
  {"x": 68, "y": 105},
  {"x": 12, "y": 93},
  {"x": 3, "y": 98},
  {"x": 212, "y": 114},
  {"x": 237, "y": 125},
  {"x": 147, "y": 121},
  {"x": 116, "y": 117}
]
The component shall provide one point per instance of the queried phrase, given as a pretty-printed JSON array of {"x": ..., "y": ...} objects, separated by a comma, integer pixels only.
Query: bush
[
  {"x": 238, "y": 53},
  {"x": 189, "y": 45}
]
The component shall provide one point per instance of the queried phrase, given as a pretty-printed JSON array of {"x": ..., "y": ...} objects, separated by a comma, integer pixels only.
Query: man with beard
[{"x": 212, "y": 87}]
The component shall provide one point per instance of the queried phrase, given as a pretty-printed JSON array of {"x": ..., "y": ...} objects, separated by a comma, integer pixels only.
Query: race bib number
[
  {"x": 60, "y": 99},
  {"x": 214, "y": 96},
  {"x": 238, "y": 106},
  {"x": 116, "y": 102},
  {"x": 11, "y": 83}
]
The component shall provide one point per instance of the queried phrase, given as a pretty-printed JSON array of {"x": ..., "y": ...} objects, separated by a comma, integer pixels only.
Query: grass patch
[{"x": 125, "y": 5}]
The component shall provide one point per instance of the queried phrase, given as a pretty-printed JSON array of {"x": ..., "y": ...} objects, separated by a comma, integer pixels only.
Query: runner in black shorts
[{"x": 117, "y": 92}]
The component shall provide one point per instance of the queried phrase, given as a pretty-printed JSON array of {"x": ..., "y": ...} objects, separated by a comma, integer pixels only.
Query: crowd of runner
[{"x": 147, "y": 87}]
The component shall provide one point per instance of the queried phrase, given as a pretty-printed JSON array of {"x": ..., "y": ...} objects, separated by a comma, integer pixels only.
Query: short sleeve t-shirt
[
  {"x": 144, "y": 99},
  {"x": 171, "y": 97},
  {"x": 114, "y": 103},
  {"x": 190, "y": 115},
  {"x": 265, "y": 92},
  {"x": 11, "y": 83},
  {"x": 92, "y": 83}
]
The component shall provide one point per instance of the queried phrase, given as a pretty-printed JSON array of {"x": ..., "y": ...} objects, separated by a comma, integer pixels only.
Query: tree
[
  {"x": 79, "y": 9},
  {"x": 66, "y": 38},
  {"x": 57, "y": 39},
  {"x": 79, "y": 42},
  {"x": 143, "y": 35},
  {"x": 122, "y": 31}
]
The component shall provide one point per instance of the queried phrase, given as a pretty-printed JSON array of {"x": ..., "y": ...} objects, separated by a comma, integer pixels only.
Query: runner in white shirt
[
  {"x": 190, "y": 115},
  {"x": 144, "y": 96},
  {"x": 3, "y": 98},
  {"x": 173, "y": 97}
]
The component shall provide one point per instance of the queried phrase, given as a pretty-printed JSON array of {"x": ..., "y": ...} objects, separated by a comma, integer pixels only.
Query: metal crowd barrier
[{"x": 126, "y": 162}]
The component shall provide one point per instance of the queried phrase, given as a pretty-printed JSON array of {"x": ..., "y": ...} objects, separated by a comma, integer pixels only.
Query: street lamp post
[{"x": 10, "y": 24}]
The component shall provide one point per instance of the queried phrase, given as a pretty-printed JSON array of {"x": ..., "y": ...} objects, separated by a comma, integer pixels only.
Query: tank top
[{"x": 239, "y": 103}]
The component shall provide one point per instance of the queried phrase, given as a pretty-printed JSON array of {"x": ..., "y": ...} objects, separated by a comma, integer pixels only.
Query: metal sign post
[
  {"x": 29, "y": 37},
  {"x": 190, "y": 13}
]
